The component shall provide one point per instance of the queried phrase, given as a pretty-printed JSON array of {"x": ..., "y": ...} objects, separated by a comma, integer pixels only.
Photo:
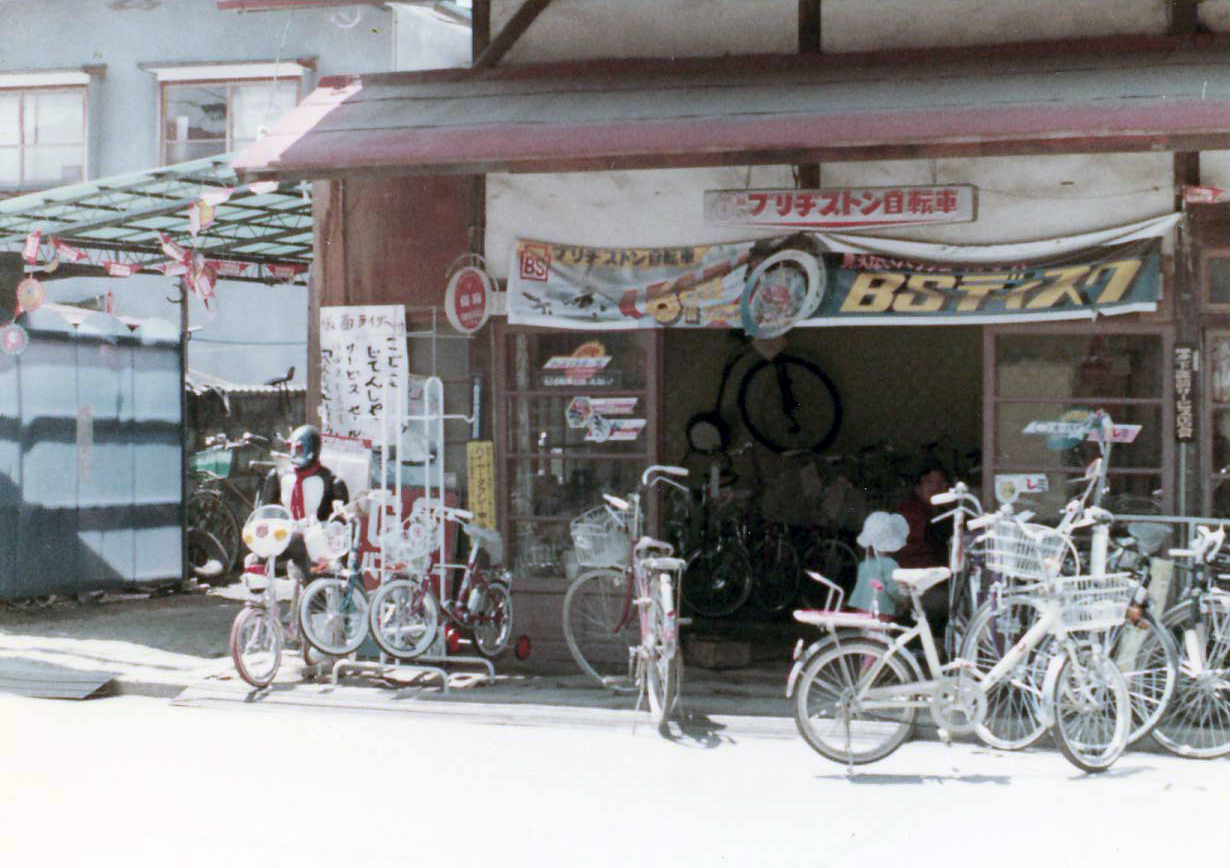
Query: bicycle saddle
[
  {"x": 490, "y": 540},
  {"x": 922, "y": 578}
]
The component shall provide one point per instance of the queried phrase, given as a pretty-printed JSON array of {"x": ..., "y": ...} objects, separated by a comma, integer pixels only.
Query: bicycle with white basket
[
  {"x": 621, "y": 618},
  {"x": 857, "y": 699}
]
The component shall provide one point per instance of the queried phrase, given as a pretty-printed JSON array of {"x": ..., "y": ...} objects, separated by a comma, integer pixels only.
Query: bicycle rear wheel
[
  {"x": 403, "y": 618},
  {"x": 717, "y": 582},
  {"x": 333, "y": 614},
  {"x": 1196, "y": 722},
  {"x": 833, "y": 559},
  {"x": 1093, "y": 711},
  {"x": 1014, "y": 705},
  {"x": 829, "y": 714},
  {"x": 1149, "y": 659},
  {"x": 601, "y": 626},
  {"x": 256, "y": 646},
  {"x": 491, "y": 624},
  {"x": 788, "y": 403},
  {"x": 207, "y": 509},
  {"x": 776, "y": 567}
]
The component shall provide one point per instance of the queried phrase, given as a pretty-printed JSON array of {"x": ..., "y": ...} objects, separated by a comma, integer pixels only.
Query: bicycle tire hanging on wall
[{"x": 789, "y": 404}]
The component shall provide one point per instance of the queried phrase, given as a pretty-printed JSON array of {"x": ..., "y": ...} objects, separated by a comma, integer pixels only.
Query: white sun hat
[{"x": 885, "y": 532}]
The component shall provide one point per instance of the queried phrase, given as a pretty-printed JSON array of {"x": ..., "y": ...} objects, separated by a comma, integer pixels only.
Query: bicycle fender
[
  {"x": 827, "y": 641},
  {"x": 1047, "y": 710}
]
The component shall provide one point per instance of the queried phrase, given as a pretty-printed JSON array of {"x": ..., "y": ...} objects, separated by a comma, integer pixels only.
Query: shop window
[
  {"x": 42, "y": 137},
  {"x": 1217, "y": 281},
  {"x": 205, "y": 118},
  {"x": 577, "y": 422},
  {"x": 1063, "y": 375}
]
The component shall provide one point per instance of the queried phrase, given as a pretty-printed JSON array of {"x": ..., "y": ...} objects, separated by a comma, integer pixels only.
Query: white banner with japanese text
[{"x": 362, "y": 365}]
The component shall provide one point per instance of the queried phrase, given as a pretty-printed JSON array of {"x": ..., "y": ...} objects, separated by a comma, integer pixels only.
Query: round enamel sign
[{"x": 467, "y": 301}]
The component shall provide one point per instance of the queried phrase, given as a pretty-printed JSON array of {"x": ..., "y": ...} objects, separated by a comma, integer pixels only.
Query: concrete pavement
[{"x": 175, "y": 647}]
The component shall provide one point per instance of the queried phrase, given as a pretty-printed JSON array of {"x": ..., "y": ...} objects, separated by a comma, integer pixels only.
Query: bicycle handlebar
[
  {"x": 668, "y": 469},
  {"x": 1206, "y": 545}
]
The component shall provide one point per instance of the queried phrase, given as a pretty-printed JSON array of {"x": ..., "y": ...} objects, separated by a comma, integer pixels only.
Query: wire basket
[
  {"x": 600, "y": 539},
  {"x": 1026, "y": 552},
  {"x": 1094, "y": 602}
]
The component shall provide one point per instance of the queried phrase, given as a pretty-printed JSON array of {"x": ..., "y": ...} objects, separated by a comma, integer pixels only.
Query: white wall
[
  {"x": 1020, "y": 199},
  {"x": 571, "y": 29},
  {"x": 423, "y": 39}
]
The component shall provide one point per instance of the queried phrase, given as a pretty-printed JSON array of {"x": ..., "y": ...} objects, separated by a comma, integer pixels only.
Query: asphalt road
[{"x": 134, "y": 781}]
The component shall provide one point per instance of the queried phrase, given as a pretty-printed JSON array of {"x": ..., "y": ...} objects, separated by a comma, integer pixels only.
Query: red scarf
[{"x": 297, "y": 508}]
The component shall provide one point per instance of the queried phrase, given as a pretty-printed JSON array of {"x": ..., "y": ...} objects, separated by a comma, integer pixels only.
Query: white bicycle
[{"x": 857, "y": 698}]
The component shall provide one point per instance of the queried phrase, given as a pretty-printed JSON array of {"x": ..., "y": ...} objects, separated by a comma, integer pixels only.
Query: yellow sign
[{"x": 480, "y": 466}]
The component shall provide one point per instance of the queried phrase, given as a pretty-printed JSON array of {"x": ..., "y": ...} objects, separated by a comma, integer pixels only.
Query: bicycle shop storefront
[{"x": 804, "y": 380}]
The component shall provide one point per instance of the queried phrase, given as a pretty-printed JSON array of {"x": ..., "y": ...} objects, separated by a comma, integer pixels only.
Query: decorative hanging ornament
[
  {"x": 29, "y": 252},
  {"x": 30, "y": 295},
  {"x": 65, "y": 252},
  {"x": 13, "y": 339}
]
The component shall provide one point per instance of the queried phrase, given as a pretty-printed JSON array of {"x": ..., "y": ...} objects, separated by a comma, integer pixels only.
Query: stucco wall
[
  {"x": 124, "y": 104},
  {"x": 570, "y": 29}
]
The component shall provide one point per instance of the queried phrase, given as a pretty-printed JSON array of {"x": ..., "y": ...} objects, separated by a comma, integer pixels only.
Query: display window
[
  {"x": 580, "y": 421},
  {"x": 1065, "y": 374},
  {"x": 1217, "y": 422}
]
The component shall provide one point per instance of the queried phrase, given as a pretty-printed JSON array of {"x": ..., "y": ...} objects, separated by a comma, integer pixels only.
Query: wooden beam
[
  {"x": 506, "y": 38},
  {"x": 1184, "y": 17},
  {"x": 808, "y": 174},
  {"x": 480, "y": 29}
]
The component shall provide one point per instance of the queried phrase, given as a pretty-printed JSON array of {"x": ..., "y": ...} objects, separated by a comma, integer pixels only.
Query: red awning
[{"x": 625, "y": 114}]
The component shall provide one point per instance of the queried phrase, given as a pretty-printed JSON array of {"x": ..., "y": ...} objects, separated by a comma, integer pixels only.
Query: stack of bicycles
[
  {"x": 1042, "y": 650},
  {"x": 621, "y": 618}
]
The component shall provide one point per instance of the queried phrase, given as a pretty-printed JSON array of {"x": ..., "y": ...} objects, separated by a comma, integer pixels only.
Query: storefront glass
[
  {"x": 579, "y": 425},
  {"x": 1063, "y": 377}
]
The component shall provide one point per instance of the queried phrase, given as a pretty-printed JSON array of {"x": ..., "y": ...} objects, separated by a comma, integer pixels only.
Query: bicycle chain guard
[{"x": 959, "y": 703}]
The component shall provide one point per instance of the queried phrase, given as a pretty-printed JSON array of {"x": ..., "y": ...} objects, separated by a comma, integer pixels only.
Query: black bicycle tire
[{"x": 764, "y": 439}]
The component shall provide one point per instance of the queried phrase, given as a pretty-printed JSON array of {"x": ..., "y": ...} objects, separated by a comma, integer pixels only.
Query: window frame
[
  {"x": 991, "y": 400},
  {"x": 51, "y": 85},
  {"x": 164, "y": 84}
]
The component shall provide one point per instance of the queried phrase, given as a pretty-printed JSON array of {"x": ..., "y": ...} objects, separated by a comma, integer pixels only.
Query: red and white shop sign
[
  {"x": 467, "y": 301},
  {"x": 842, "y": 207}
]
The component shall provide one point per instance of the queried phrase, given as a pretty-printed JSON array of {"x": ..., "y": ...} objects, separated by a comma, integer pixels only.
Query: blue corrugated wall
[{"x": 91, "y": 433}]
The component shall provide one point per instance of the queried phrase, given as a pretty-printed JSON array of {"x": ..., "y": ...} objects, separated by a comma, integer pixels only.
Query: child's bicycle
[
  {"x": 405, "y": 612},
  {"x": 257, "y": 633}
]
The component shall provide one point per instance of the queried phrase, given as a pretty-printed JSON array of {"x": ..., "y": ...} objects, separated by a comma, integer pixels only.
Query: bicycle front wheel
[
  {"x": 1093, "y": 711},
  {"x": 829, "y": 712},
  {"x": 717, "y": 582},
  {"x": 404, "y": 619},
  {"x": 333, "y": 616},
  {"x": 256, "y": 646},
  {"x": 493, "y": 619},
  {"x": 788, "y": 403},
  {"x": 601, "y": 626},
  {"x": 1196, "y": 722},
  {"x": 208, "y": 511},
  {"x": 1014, "y": 704}
]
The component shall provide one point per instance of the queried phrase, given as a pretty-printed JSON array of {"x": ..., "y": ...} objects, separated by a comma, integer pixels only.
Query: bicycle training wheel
[
  {"x": 1014, "y": 705},
  {"x": 601, "y": 625},
  {"x": 256, "y": 646},
  {"x": 1196, "y": 722},
  {"x": 404, "y": 619},
  {"x": 491, "y": 623},
  {"x": 1149, "y": 659},
  {"x": 717, "y": 582},
  {"x": 333, "y": 616},
  {"x": 829, "y": 714},
  {"x": 1093, "y": 712},
  {"x": 788, "y": 403}
]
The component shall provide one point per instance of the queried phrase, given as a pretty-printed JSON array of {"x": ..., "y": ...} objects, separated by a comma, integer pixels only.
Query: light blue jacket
[{"x": 890, "y": 599}]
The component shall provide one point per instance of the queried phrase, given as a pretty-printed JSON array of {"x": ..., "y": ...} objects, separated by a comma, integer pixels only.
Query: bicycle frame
[
  {"x": 920, "y": 693},
  {"x": 1205, "y": 548}
]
